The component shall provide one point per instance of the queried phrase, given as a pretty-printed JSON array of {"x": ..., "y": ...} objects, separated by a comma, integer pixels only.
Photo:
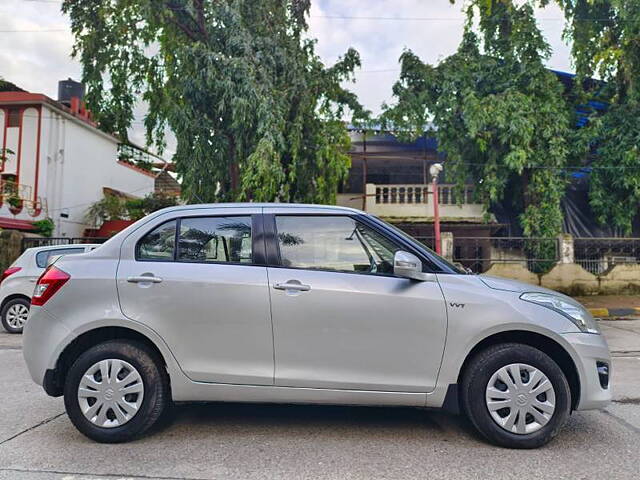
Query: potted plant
[
  {"x": 44, "y": 227},
  {"x": 14, "y": 201},
  {"x": 110, "y": 214},
  {"x": 138, "y": 208}
]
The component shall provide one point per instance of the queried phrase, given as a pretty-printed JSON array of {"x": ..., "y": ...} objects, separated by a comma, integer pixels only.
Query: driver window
[{"x": 333, "y": 243}]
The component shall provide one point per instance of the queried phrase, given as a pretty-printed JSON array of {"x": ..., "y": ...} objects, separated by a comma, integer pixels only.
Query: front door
[
  {"x": 341, "y": 319},
  {"x": 204, "y": 294}
]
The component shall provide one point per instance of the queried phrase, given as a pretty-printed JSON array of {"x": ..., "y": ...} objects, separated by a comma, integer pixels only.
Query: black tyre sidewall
[
  {"x": 154, "y": 380},
  {"x": 475, "y": 381},
  {"x": 5, "y": 309}
]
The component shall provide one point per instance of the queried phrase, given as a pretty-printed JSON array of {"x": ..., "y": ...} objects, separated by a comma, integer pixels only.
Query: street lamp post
[{"x": 435, "y": 170}]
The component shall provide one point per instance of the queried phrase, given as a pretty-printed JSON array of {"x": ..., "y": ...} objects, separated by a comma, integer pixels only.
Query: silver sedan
[{"x": 303, "y": 304}]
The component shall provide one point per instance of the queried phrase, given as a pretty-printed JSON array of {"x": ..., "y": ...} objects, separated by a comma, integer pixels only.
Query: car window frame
[
  {"x": 257, "y": 241},
  {"x": 274, "y": 257},
  {"x": 50, "y": 254}
]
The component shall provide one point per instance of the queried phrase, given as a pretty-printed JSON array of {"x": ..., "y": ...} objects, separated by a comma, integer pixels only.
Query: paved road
[{"x": 221, "y": 441}]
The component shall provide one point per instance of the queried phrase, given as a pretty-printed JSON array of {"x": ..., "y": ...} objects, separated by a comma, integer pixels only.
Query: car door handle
[
  {"x": 144, "y": 279},
  {"x": 290, "y": 285}
]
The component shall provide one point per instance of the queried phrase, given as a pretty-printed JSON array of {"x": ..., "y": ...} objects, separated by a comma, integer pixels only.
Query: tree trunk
[{"x": 234, "y": 173}]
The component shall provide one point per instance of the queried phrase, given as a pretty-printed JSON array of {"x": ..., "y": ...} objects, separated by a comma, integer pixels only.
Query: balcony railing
[
  {"x": 419, "y": 194},
  {"x": 18, "y": 197},
  {"x": 10, "y": 189},
  {"x": 413, "y": 202}
]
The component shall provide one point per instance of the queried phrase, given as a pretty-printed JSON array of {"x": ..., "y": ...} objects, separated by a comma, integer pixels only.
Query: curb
[{"x": 614, "y": 312}]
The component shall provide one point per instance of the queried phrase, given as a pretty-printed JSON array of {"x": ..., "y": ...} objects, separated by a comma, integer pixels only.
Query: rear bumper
[
  {"x": 42, "y": 340},
  {"x": 590, "y": 352}
]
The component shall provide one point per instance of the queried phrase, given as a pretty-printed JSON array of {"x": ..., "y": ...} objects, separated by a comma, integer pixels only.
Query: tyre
[
  {"x": 14, "y": 315},
  {"x": 116, "y": 390},
  {"x": 516, "y": 396}
]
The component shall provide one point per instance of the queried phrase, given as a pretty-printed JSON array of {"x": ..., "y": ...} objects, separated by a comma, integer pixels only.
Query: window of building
[
  {"x": 336, "y": 243},
  {"x": 14, "y": 117}
]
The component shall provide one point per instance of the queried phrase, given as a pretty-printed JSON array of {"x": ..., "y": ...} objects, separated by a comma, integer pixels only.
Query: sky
[{"x": 36, "y": 42}]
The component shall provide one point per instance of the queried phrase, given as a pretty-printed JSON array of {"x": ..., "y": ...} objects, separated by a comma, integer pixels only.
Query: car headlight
[{"x": 576, "y": 313}]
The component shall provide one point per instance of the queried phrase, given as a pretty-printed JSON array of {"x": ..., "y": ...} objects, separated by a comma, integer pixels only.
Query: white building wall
[
  {"x": 28, "y": 151},
  {"x": 76, "y": 162},
  {"x": 88, "y": 163}
]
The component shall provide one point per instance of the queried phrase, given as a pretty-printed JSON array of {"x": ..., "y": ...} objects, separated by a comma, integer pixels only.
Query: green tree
[
  {"x": 256, "y": 114},
  {"x": 605, "y": 37},
  {"x": 499, "y": 115}
]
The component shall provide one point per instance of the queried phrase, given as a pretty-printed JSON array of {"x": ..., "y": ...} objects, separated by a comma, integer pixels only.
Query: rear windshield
[{"x": 43, "y": 257}]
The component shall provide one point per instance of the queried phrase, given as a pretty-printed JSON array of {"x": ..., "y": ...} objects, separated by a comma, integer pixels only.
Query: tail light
[
  {"x": 48, "y": 284},
  {"x": 9, "y": 271}
]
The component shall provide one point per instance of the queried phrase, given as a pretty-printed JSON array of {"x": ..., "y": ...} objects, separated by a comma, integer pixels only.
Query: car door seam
[
  {"x": 446, "y": 337},
  {"x": 273, "y": 339}
]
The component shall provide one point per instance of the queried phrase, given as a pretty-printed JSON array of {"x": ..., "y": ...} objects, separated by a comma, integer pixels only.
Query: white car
[{"x": 17, "y": 282}]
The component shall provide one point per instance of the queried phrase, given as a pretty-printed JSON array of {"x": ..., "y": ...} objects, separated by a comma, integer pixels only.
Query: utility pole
[
  {"x": 435, "y": 170},
  {"x": 364, "y": 170}
]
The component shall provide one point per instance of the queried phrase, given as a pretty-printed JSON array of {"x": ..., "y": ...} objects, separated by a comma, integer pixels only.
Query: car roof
[{"x": 310, "y": 206}]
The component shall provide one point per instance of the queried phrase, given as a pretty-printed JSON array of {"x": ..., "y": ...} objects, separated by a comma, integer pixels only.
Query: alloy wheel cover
[
  {"x": 17, "y": 315},
  {"x": 520, "y": 398},
  {"x": 110, "y": 393}
]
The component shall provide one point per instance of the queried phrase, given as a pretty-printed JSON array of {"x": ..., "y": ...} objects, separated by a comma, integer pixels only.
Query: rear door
[
  {"x": 199, "y": 281},
  {"x": 341, "y": 319}
]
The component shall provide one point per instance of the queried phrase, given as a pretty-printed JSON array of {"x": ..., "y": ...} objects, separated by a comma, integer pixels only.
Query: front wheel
[
  {"x": 14, "y": 315},
  {"x": 116, "y": 390},
  {"x": 516, "y": 396}
]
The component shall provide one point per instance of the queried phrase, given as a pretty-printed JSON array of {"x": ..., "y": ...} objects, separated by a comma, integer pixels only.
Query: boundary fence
[
  {"x": 539, "y": 255},
  {"x": 597, "y": 255},
  {"x": 31, "y": 242},
  {"x": 479, "y": 253}
]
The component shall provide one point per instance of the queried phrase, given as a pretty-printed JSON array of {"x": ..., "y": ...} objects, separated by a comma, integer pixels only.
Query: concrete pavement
[{"x": 220, "y": 441}]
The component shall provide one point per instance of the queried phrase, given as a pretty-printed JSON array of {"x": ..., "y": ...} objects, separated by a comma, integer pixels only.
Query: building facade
[
  {"x": 390, "y": 178},
  {"x": 56, "y": 162}
]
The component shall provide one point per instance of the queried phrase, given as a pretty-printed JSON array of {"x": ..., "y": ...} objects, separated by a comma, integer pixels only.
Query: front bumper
[
  {"x": 590, "y": 352},
  {"x": 43, "y": 339}
]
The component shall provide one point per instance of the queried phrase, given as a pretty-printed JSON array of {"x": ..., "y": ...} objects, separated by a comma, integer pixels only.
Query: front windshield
[{"x": 441, "y": 259}]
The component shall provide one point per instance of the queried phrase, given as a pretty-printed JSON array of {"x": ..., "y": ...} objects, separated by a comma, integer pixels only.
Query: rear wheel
[
  {"x": 516, "y": 396},
  {"x": 116, "y": 390},
  {"x": 14, "y": 315}
]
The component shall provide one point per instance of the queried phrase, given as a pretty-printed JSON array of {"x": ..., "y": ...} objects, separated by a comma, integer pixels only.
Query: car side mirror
[{"x": 407, "y": 265}]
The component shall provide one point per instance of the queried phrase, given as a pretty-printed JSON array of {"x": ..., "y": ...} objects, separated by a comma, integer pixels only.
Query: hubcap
[
  {"x": 17, "y": 315},
  {"x": 520, "y": 398},
  {"x": 110, "y": 393}
]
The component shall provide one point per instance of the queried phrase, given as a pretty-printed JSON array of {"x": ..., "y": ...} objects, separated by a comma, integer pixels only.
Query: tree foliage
[
  {"x": 116, "y": 207},
  {"x": 500, "y": 116},
  {"x": 256, "y": 114},
  {"x": 44, "y": 227},
  {"x": 605, "y": 37}
]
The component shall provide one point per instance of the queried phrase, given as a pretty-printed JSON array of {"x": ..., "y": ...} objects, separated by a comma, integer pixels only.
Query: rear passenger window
[
  {"x": 43, "y": 257},
  {"x": 215, "y": 239},
  {"x": 159, "y": 243}
]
